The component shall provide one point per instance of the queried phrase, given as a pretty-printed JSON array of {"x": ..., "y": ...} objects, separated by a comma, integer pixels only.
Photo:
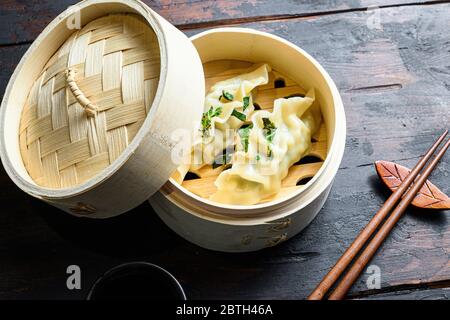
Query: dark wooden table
[{"x": 394, "y": 78}]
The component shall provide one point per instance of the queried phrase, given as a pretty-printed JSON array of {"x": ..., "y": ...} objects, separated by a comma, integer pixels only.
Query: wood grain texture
[
  {"x": 395, "y": 84},
  {"x": 21, "y": 21}
]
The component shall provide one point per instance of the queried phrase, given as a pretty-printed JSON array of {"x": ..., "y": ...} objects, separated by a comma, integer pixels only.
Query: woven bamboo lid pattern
[{"x": 89, "y": 101}]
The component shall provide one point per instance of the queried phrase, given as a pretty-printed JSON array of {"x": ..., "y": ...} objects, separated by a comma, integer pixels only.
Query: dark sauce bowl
[{"x": 136, "y": 281}]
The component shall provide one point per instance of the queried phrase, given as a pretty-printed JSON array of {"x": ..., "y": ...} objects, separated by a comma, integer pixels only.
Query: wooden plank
[
  {"x": 23, "y": 21},
  {"x": 395, "y": 85}
]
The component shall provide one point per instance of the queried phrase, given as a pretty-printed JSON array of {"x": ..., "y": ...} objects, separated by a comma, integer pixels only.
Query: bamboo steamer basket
[
  {"x": 96, "y": 147},
  {"x": 94, "y": 108},
  {"x": 232, "y": 228}
]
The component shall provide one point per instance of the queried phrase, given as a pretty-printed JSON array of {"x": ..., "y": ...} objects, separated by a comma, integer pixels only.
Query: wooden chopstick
[
  {"x": 353, "y": 273},
  {"x": 343, "y": 262}
]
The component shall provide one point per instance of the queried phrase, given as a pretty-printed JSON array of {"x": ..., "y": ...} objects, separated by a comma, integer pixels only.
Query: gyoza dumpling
[
  {"x": 233, "y": 95},
  {"x": 227, "y": 105},
  {"x": 264, "y": 155}
]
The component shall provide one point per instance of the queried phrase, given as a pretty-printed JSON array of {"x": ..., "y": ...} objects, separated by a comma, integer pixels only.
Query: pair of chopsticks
[{"x": 408, "y": 193}]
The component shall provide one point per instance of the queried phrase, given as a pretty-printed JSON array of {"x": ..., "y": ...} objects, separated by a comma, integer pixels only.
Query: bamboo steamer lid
[
  {"x": 90, "y": 100},
  {"x": 98, "y": 113}
]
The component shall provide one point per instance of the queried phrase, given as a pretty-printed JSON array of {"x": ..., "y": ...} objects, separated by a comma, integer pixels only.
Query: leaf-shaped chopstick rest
[{"x": 429, "y": 196}]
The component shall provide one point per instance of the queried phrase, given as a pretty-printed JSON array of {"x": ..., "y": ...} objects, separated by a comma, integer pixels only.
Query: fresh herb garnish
[
  {"x": 226, "y": 95},
  {"x": 206, "y": 119},
  {"x": 258, "y": 157},
  {"x": 224, "y": 158},
  {"x": 244, "y": 134},
  {"x": 241, "y": 116},
  {"x": 246, "y": 102},
  {"x": 269, "y": 130}
]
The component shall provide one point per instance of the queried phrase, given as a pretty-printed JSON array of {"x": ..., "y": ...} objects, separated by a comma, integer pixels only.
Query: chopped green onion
[
  {"x": 244, "y": 134},
  {"x": 206, "y": 119},
  {"x": 226, "y": 95},
  {"x": 246, "y": 102},
  {"x": 269, "y": 130},
  {"x": 241, "y": 116}
]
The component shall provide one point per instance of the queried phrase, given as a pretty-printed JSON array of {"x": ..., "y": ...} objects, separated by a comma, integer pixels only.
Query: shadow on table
[{"x": 136, "y": 233}]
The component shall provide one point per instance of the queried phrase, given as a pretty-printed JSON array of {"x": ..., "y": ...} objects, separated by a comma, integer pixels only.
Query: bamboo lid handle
[{"x": 89, "y": 107}]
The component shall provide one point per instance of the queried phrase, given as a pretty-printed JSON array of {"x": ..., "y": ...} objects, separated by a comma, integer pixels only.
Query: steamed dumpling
[
  {"x": 276, "y": 141},
  {"x": 227, "y": 105}
]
